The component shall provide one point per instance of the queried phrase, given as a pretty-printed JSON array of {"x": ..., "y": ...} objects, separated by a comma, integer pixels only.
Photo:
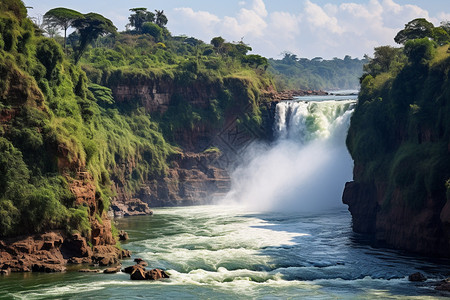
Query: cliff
[
  {"x": 229, "y": 113},
  {"x": 399, "y": 138},
  {"x": 52, "y": 208},
  {"x": 135, "y": 124}
]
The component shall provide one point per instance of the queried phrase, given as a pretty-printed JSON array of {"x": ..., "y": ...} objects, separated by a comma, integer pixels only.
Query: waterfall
[{"x": 307, "y": 166}]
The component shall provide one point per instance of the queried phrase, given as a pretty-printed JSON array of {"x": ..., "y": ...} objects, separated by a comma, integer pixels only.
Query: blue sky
[{"x": 308, "y": 28}]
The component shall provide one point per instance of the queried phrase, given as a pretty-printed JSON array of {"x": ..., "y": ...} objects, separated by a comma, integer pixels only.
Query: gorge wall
[
  {"x": 208, "y": 149},
  {"x": 399, "y": 138}
]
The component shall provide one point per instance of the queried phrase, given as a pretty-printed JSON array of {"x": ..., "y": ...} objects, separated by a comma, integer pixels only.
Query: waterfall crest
[{"x": 307, "y": 166}]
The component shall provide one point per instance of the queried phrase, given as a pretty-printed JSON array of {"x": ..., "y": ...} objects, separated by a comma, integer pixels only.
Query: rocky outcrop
[
  {"x": 38, "y": 253},
  {"x": 52, "y": 251},
  {"x": 194, "y": 178},
  {"x": 138, "y": 272},
  {"x": 155, "y": 95}
]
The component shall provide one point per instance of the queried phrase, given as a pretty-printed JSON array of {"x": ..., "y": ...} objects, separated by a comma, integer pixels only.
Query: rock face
[
  {"x": 194, "y": 178},
  {"x": 51, "y": 251},
  {"x": 399, "y": 141},
  {"x": 39, "y": 253},
  {"x": 195, "y": 175}
]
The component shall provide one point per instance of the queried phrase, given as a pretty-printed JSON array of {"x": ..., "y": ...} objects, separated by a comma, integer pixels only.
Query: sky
[{"x": 307, "y": 28}]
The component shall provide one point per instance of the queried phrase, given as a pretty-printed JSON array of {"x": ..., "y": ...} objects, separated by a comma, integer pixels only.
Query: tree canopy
[
  {"x": 140, "y": 16},
  {"x": 90, "y": 28},
  {"x": 63, "y": 18},
  {"x": 421, "y": 28},
  {"x": 384, "y": 59},
  {"x": 161, "y": 19}
]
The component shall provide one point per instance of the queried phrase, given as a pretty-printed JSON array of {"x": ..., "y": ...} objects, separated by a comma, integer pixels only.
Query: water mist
[{"x": 307, "y": 166}]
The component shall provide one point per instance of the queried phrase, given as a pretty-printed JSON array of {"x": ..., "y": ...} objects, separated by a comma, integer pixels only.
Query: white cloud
[
  {"x": 259, "y": 8},
  {"x": 318, "y": 18},
  {"x": 443, "y": 17},
  {"x": 309, "y": 30}
]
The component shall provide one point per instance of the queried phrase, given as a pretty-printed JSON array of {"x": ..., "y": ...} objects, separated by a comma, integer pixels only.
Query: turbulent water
[
  {"x": 284, "y": 236},
  {"x": 219, "y": 252}
]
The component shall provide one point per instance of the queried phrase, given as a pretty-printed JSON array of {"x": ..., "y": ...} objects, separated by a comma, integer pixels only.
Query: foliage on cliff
[
  {"x": 292, "y": 72},
  {"x": 400, "y": 132},
  {"x": 60, "y": 121},
  {"x": 52, "y": 127},
  {"x": 234, "y": 78}
]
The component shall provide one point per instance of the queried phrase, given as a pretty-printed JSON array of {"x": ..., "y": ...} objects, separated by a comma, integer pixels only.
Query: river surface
[
  {"x": 284, "y": 233},
  {"x": 221, "y": 252}
]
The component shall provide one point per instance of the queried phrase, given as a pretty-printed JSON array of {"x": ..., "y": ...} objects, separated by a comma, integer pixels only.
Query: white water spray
[{"x": 307, "y": 167}]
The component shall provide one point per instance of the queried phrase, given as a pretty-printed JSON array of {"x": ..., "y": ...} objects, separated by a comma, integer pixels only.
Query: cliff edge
[{"x": 399, "y": 138}]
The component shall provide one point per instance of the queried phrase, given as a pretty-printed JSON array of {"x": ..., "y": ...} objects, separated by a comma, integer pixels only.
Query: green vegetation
[
  {"x": 59, "y": 119},
  {"x": 292, "y": 72},
  {"x": 400, "y": 130},
  {"x": 61, "y": 18},
  {"x": 421, "y": 28}
]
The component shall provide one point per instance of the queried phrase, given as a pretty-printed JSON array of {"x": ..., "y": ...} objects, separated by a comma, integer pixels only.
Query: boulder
[
  {"x": 123, "y": 235},
  {"x": 156, "y": 274},
  {"x": 6, "y": 271},
  {"x": 141, "y": 262},
  {"x": 124, "y": 253},
  {"x": 107, "y": 260},
  {"x": 131, "y": 269},
  {"x": 112, "y": 270},
  {"x": 444, "y": 285},
  {"x": 138, "y": 274},
  {"x": 89, "y": 271},
  {"x": 417, "y": 277}
]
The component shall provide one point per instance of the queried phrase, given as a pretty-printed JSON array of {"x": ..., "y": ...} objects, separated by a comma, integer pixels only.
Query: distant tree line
[{"x": 292, "y": 72}]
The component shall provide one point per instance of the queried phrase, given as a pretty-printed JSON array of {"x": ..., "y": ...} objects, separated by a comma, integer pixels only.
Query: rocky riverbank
[{"x": 52, "y": 251}]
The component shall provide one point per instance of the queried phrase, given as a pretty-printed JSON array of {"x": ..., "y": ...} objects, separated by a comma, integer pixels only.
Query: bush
[
  {"x": 154, "y": 30},
  {"x": 420, "y": 51}
]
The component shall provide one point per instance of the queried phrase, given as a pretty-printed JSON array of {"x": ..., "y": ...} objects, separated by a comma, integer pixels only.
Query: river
[{"x": 219, "y": 252}]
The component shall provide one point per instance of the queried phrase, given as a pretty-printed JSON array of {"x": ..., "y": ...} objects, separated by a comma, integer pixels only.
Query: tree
[
  {"x": 440, "y": 36},
  {"x": 152, "y": 29},
  {"x": 384, "y": 58},
  {"x": 291, "y": 58},
  {"x": 49, "y": 53},
  {"x": 419, "y": 51},
  {"x": 446, "y": 26},
  {"x": 415, "y": 29},
  {"x": 89, "y": 29},
  {"x": 139, "y": 17},
  {"x": 256, "y": 61},
  {"x": 217, "y": 42},
  {"x": 61, "y": 18},
  {"x": 161, "y": 19}
]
